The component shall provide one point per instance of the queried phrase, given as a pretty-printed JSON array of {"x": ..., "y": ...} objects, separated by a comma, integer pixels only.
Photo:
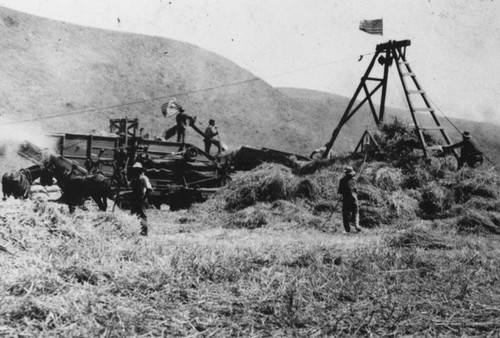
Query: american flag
[
  {"x": 372, "y": 26},
  {"x": 170, "y": 108}
]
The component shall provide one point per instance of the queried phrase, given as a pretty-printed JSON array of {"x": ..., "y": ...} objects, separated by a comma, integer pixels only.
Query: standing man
[
  {"x": 141, "y": 190},
  {"x": 183, "y": 120},
  {"x": 349, "y": 192},
  {"x": 469, "y": 153},
  {"x": 210, "y": 133}
]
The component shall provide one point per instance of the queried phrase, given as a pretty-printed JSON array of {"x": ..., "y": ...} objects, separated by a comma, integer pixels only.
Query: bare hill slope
[{"x": 51, "y": 68}]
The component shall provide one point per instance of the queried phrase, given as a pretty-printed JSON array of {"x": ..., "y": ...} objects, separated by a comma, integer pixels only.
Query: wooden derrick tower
[{"x": 387, "y": 54}]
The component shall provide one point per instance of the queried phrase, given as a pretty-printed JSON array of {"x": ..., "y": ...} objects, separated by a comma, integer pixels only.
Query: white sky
[{"x": 315, "y": 44}]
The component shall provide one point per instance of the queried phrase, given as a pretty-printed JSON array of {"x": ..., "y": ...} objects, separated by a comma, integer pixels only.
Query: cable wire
[{"x": 90, "y": 110}]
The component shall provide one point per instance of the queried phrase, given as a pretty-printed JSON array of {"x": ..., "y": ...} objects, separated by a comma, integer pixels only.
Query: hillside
[{"x": 51, "y": 68}]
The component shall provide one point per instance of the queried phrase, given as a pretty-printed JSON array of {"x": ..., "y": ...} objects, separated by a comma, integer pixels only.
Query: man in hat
[
  {"x": 182, "y": 119},
  {"x": 141, "y": 190},
  {"x": 349, "y": 192},
  {"x": 210, "y": 133},
  {"x": 469, "y": 153}
]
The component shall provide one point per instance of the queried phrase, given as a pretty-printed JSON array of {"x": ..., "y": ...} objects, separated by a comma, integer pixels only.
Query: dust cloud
[{"x": 12, "y": 136}]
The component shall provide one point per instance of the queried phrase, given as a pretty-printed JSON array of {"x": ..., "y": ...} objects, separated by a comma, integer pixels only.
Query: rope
[
  {"x": 446, "y": 117},
  {"x": 456, "y": 128}
]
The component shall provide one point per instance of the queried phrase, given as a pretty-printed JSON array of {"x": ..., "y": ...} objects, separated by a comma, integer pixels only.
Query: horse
[
  {"x": 76, "y": 188},
  {"x": 17, "y": 183}
]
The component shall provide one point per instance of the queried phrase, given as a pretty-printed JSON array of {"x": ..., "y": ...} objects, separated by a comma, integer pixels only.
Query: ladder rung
[
  {"x": 423, "y": 109},
  {"x": 374, "y": 79},
  {"x": 408, "y": 74},
  {"x": 430, "y": 128},
  {"x": 434, "y": 148},
  {"x": 416, "y": 91}
]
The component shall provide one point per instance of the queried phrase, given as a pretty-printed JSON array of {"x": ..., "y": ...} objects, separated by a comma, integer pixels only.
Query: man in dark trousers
[
  {"x": 349, "y": 192},
  {"x": 210, "y": 133},
  {"x": 182, "y": 119},
  {"x": 469, "y": 153},
  {"x": 141, "y": 190}
]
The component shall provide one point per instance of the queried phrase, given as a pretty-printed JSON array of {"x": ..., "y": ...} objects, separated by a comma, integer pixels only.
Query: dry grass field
[{"x": 266, "y": 256}]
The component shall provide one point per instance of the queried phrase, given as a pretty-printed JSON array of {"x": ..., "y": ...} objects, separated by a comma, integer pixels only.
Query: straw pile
[
  {"x": 479, "y": 222},
  {"x": 419, "y": 238}
]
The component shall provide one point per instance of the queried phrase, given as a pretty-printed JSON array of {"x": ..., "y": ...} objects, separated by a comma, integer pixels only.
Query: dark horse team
[
  {"x": 75, "y": 188},
  {"x": 17, "y": 183}
]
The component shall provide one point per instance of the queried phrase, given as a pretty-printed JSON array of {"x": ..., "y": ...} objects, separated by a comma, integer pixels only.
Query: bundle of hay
[
  {"x": 370, "y": 195},
  {"x": 387, "y": 178},
  {"x": 479, "y": 222},
  {"x": 480, "y": 203},
  {"x": 402, "y": 206},
  {"x": 372, "y": 217},
  {"x": 249, "y": 218},
  {"x": 327, "y": 181},
  {"x": 434, "y": 201},
  {"x": 267, "y": 183},
  {"x": 416, "y": 178},
  {"x": 418, "y": 238},
  {"x": 463, "y": 191},
  {"x": 303, "y": 188}
]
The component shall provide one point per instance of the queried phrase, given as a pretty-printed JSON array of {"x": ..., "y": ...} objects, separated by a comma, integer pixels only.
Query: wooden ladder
[
  {"x": 405, "y": 72},
  {"x": 386, "y": 54}
]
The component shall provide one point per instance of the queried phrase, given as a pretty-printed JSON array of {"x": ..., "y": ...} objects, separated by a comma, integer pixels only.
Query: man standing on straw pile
[
  {"x": 349, "y": 192},
  {"x": 469, "y": 152},
  {"x": 141, "y": 189}
]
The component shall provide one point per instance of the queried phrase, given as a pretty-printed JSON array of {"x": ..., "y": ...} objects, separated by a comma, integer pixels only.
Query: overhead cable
[{"x": 90, "y": 110}]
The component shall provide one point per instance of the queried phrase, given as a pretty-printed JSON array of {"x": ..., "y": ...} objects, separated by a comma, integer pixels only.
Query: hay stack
[
  {"x": 303, "y": 188},
  {"x": 370, "y": 195},
  {"x": 372, "y": 217},
  {"x": 479, "y": 222},
  {"x": 387, "y": 178},
  {"x": 465, "y": 190},
  {"x": 267, "y": 183},
  {"x": 249, "y": 218},
  {"x": 434, "y": 200},
  {"x": 402, "y": 206}
]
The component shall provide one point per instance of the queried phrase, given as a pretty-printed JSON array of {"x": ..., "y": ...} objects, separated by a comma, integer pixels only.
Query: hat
[
  {"x": 211, "y": 121},
  {"x": 466, "y": 134},
  {"x": 137, "y": 165},
  {"x": 349, "y": 171}
]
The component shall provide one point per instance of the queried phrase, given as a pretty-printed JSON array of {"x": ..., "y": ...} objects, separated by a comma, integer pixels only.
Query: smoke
[{"x": 13, "y": 135}]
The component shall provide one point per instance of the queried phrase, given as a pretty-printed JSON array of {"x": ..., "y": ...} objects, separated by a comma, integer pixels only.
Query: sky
[{"x": 316, "y": 44}]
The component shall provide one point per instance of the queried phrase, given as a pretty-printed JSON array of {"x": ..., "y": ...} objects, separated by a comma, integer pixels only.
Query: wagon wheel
[{"x": 190, "y": 154}]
